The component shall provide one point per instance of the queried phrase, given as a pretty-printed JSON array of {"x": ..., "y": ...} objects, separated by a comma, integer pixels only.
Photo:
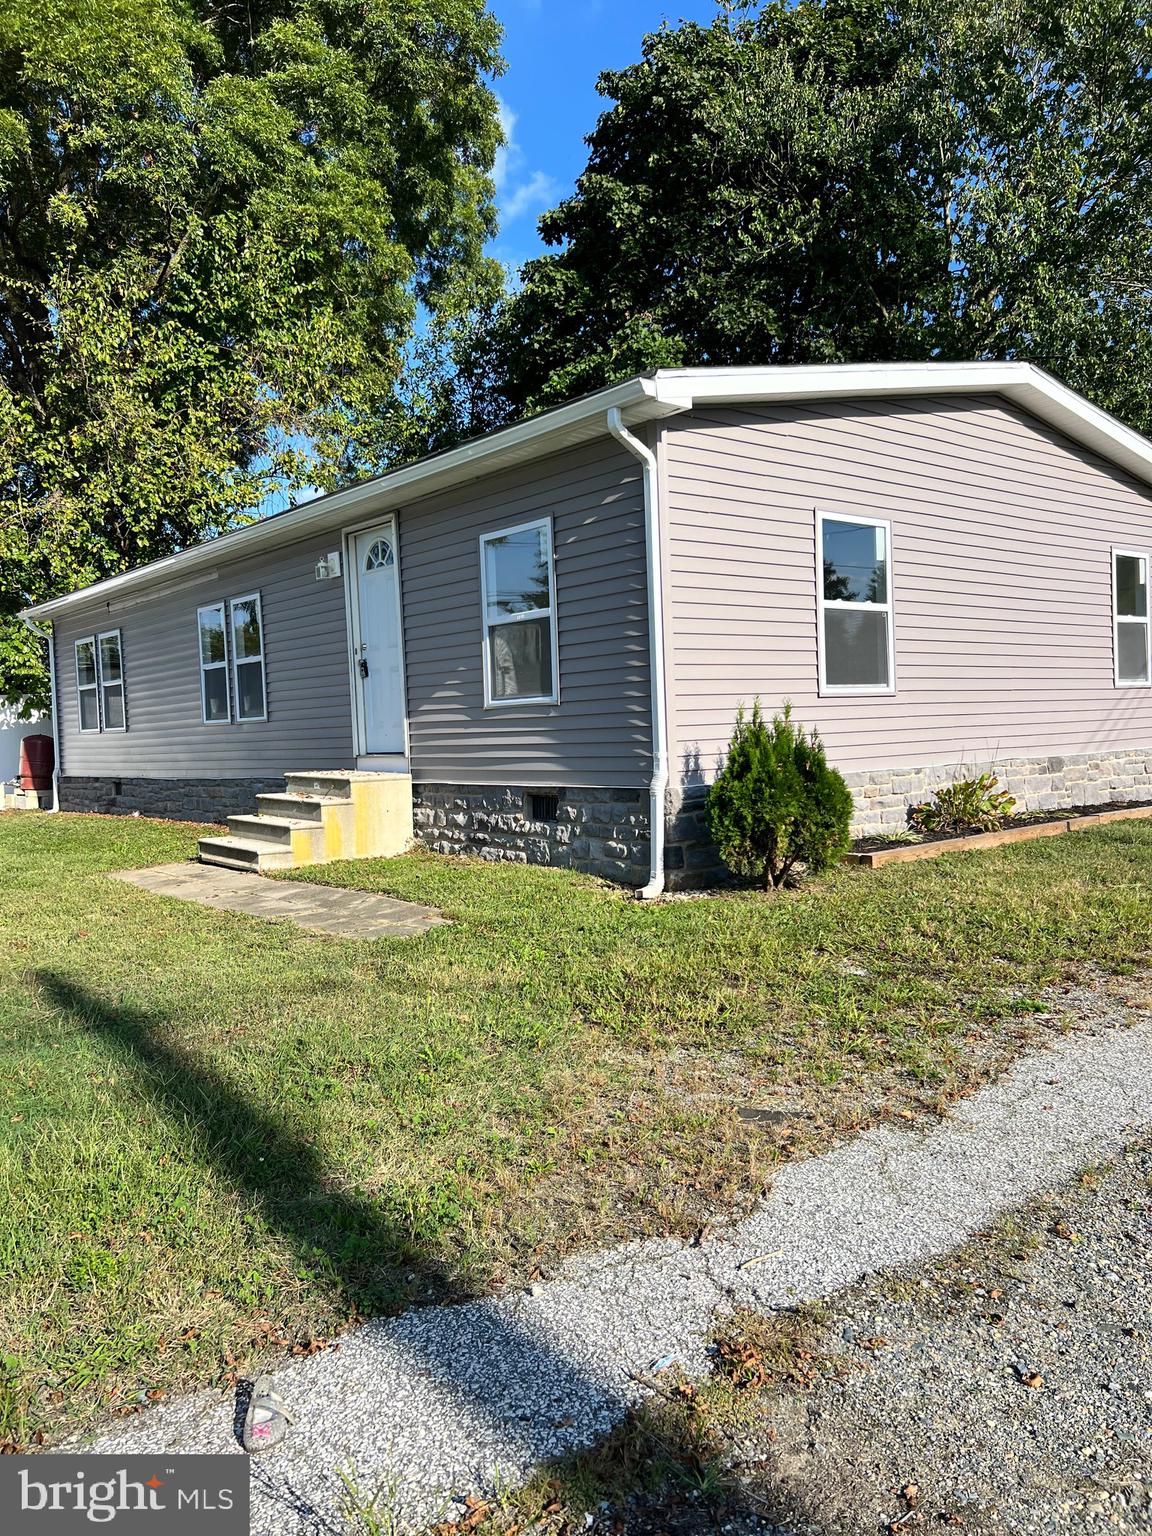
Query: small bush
[
  {"x": 969, "y": 805},
  {"x": 777, "y": 803}
]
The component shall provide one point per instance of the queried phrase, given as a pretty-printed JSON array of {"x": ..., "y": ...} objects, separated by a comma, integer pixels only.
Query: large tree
[
  {"x": 218, "y": 221},
  {"x": 859, "y": 180}
]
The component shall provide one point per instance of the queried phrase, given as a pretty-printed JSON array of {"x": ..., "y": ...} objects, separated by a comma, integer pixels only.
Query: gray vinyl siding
[
  {"x": 306, "y": 669},
  {"x": 599, "y": 735},
  {"x": 1002, "y": 532}
]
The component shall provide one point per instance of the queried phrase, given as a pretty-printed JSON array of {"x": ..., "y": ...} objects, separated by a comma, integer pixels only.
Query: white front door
[{"x": 376, "y": 642}]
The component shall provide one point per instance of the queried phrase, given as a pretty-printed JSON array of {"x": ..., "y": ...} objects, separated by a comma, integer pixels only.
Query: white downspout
[
  {"x": 653, "y": 541},
  {"x": 46, "y": 634}
]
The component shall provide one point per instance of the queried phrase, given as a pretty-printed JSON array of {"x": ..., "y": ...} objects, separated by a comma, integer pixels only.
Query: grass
[{"x": 223, "y": 1139}]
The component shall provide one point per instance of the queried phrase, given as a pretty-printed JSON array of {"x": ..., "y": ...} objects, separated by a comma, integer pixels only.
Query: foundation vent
[{"x": 542, "y": 805}]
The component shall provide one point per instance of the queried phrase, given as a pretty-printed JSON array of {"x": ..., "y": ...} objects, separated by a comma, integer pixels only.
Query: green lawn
[{"x": 221, "y": 1138}]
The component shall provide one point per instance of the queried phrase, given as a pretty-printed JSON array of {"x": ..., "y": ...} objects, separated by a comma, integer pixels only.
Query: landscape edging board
[{"x": 910, "y": 851}]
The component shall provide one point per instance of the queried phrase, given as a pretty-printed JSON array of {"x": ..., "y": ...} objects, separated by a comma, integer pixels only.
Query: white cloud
[
  {"x": 509, "y": 155},
  {"x": 518, "y": 191},
  {"x": 531, "y": 196}
]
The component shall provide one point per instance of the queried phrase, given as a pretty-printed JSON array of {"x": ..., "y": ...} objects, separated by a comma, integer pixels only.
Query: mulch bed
[{"x": 879, "y": 844}]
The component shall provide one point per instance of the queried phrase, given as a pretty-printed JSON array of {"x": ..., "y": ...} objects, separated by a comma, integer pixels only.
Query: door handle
[{"x": 363, "y": 666}]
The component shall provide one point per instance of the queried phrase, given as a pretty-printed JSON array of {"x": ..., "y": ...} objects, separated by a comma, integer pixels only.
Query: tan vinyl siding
[
  {"x": 599, "y": 735},
  {"x": 306, "y": 667},
  {"x": 1001, "y": 578}
]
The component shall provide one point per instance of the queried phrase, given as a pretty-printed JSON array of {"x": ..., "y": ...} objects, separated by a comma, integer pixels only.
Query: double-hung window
[
  {"x": 110, "y": 665},
  {"x": 247, "y": 657},
  {"x": 1130, "y": 618},
  {"x": 214, "y": 695},
  {"x": 518, "y": 591},
  {"x": 87, "y": 685},
  {"x": 100, "y": 682},
  {"x": 855, "y": 608},
  {"x": 232, "y": 683}
]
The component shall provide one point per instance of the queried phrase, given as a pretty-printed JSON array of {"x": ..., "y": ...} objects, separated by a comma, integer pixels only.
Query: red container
[{"x": 37, "y": 758}]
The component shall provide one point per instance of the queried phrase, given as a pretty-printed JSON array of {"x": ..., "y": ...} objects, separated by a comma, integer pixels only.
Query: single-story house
[{"x": 538, "y": 641}]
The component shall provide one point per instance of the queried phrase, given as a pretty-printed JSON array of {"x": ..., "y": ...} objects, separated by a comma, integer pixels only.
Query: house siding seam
[{"x": 1002, "y": 532}]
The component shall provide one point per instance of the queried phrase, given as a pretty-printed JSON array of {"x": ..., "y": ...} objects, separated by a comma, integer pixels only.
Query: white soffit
[
  {"x": 664, "y": 393},
  {"x": 1023, "y": 384}
]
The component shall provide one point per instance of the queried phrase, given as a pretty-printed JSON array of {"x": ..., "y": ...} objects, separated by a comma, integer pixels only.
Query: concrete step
[
  {"x": 324, "y": 814},
  {"x": 269, "y": 829},
  {"x": 334, "y": 783},
  {"x": 247, "y": 853},
  {"x": 298, "y": 806}
]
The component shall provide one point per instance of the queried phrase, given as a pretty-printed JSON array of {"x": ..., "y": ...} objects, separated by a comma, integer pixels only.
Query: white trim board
[{"x": 666, "y": 392}]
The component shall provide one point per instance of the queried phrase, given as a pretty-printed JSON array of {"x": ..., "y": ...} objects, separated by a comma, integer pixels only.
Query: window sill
[{"x": 831, "y": 691}]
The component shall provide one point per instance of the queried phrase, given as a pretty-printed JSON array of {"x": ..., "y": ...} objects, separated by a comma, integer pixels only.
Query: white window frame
[
  {"x": 1118, "y": 619},
  {"x": 214, "y": 666},
  {"x": 836, "y": 690},
  {"x": 246, "y": 661},
  {"x": 549, "y": 613},
  {"x": 120, "y": 682},
  {"x": 83, "y": 688}
]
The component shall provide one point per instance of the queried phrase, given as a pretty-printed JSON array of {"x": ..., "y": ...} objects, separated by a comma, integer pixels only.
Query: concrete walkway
[
  {"x": 319, "y": 908},
  {"x": 446, "y": 1400}
]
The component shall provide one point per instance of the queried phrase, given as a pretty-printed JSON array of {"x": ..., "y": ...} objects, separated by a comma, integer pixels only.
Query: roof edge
[
  {"x": 1023, "y": 383},
  {"x": 667, "y": 391},
  {"x": 565, "y": 426}
]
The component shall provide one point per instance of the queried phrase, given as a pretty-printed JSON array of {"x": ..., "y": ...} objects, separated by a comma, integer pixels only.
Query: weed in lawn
[
  {"x": 375, "y": 1513},
  {"x": 751, "y": 1349}
]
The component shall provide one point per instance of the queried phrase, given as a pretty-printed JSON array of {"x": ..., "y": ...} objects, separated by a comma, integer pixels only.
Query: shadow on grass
[{"x": 499, "y": 1388}]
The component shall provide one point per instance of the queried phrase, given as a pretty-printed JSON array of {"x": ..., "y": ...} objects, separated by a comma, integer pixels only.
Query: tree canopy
[
  {"x": 856, "y": 180},
  {"x": 217, "y": 222}
]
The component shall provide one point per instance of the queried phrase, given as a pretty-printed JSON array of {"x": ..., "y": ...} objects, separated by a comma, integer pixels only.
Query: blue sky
[{"x": 555, "y": 50}]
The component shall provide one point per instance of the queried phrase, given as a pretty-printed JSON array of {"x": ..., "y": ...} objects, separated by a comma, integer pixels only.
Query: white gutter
[
  {"x": 654, "y": 548},
  {"x": 565, "y": 426},
  {"x": 46, "y": 634}
]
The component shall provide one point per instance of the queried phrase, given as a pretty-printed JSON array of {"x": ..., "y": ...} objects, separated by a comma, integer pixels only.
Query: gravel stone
[{"x": 946, "y": 1406}]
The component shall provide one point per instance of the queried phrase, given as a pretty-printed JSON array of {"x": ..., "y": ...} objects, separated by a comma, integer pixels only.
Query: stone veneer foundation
[
  {"x": 605, "y": 831},
  {"x": 1037, "y": 783},
  {"x": 883, "y": 796},
  {"x": 203, "y": 800},
  {"x": 601, "y": 831}
]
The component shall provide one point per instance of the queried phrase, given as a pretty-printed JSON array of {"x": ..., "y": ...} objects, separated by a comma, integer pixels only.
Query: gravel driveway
[{"x": 1012, "y": 1389}]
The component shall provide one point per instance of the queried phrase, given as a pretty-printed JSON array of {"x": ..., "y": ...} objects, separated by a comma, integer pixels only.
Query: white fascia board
[
  {"x": 1023, "y": 384},
  {"x": 568, "y": 425},
  {"x": 829, "y": 381},
  {"x": 665, "y": 393}
]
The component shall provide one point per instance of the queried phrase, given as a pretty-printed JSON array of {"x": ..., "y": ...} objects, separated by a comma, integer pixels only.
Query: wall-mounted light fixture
[{"x": 328, "y": 566}]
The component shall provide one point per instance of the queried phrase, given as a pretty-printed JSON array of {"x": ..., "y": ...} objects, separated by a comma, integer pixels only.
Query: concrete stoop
[{"x": 318, "y": 817}]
